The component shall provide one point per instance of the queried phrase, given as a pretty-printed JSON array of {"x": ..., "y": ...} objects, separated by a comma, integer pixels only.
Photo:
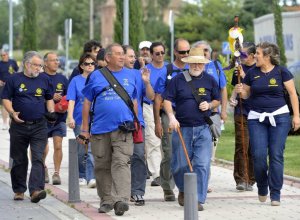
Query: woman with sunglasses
[
  {"x": 86, "y": 165},
  {"x": 269, "y": 119}
]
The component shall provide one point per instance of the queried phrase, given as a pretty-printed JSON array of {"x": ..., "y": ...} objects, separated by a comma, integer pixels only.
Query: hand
[
  {"x": 173, "y": 124},
  {"x": 224, "y": 115},
  {"x": 57, "y": 97},
  {"x": 233, "y": 102},
  {"x": 204, "y": 106},
  {"x": 71, "y": 123},
  {"x": 51, "y": 117},
  {"x": 15, "y": 117},
  {"x": 145, "y": 75},
  {"x": 158, "y": 130},
  {"x": 141, "y": 61},
  {"x": 238, "y": 88},
  {"x": 2, "y": 83},
  {"x": 296, "y": 123},
  {"x": 83, "y": 138}
]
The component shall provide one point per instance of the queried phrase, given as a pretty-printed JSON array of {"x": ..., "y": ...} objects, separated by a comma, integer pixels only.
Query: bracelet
[{"x": 84, "y": 131}]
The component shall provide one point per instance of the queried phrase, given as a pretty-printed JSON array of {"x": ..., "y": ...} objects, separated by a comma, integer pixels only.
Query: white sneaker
[
  {"x": 92, "y": 183},
  {"x": 82, "y": 182}
]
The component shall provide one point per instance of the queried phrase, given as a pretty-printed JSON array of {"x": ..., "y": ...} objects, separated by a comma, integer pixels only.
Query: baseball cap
[
  {"x": 146, "y": 44},
  {"x": 62, "y": 105}
]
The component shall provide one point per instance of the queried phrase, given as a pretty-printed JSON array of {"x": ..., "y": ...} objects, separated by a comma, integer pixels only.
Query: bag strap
[
  {"x": 218, "y": 72},
  {"x": 170, "y": 71},
  {"x": 189, "y": 80},
  {"x": 118, "y": 88}
]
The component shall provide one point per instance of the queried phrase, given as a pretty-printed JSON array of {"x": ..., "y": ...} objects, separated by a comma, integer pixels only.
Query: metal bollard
[
  {"x": 190, "y": 197},
  {"x": 74, "y": 194}
]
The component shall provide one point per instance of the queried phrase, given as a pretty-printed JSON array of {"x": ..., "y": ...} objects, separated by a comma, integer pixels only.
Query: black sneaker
[
  {"x": 169, "y": 195},
  {"x": 155, "y": 182},
  {"x": 138, "y": 200},
  {"x": 105, "y": 208},
  {"x": 121, "y": 207}
]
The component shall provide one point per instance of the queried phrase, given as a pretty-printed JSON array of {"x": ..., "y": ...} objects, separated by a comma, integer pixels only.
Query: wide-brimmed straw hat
[{"x": 196, "y": 55}]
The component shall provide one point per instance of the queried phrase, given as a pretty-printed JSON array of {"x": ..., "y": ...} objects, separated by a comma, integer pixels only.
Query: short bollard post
[
  {"x": 74, "y": 194},
  {"x": 190, "y": 197}
]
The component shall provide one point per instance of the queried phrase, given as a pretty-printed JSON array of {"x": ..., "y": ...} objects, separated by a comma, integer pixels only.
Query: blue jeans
[
  {"x": 267, "y": 140},
  {"x": 198, "y": 144},
  {"x": 138, "y": 169},
  {"x": 86, "y": 168}
]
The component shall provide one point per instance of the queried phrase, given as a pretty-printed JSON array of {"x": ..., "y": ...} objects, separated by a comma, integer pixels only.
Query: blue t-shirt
[
  {"x": 179, "y": 91},
  {"x": 110, "y": 110},
  {"x": 210, "y": 68},
  {"x": 245, "y": 102},
  {"x": 155, "y": 73},
  {"x": 74, "y": 93},
  {"x": 60, "y": 85},
  {"x": 28, "y": 95},
  {"x": 141, "y": 92},
  {"x": 266, "y": 92},
  {"x": 163, "y": 80},
  {"x": 7, "y": 69}
]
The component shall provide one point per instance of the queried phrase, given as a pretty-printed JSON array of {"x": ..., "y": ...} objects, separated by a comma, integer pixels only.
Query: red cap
[{"x": 62, "y": 105}]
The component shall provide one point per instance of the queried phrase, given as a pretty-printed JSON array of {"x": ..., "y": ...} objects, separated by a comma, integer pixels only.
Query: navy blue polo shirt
[
  {"x": 28, "y": 95},
  {"x": 245, "y": 102},
  {"x": 179, "y": 91},
  {"x": 60, "y": 85},
  {"x": 267, "y": 88},
  {"x": 7, "y": 69}
]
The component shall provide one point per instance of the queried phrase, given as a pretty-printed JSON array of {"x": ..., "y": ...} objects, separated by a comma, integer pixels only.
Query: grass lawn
[{"x": 225, "y": 149}]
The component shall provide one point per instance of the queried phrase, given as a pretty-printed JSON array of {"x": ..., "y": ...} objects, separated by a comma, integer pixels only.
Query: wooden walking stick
[{"x": 184, "y": 149}]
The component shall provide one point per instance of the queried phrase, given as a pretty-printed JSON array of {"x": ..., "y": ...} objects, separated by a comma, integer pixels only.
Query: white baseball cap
[{"x": 144, "y": 44}]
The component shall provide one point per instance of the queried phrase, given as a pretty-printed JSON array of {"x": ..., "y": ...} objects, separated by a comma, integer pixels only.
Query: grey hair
[
  {"x": 29, "y": 55},
  {"x": 108, "y": 49},
  {"x": 201, "y": 42},
  {"x": 271, "y": 50}
]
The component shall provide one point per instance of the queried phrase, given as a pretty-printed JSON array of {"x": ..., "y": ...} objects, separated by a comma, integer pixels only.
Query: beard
[
  {"x": 195, "y": 72},
  {"x": 34, "y": 75}
]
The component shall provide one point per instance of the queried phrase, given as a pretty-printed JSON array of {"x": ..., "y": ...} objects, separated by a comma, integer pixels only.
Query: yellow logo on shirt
[
  {"x": 11, "y": 69},
  {"x": 59, "y": 87},
  {"x": 272, "y": 82},
  {"x": 201, "y": 91},
  {"x": 22, "y": 87},
  {"x": 38, "y": 92}
]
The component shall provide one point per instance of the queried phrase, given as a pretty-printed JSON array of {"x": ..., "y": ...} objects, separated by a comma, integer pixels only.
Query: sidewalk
[{"x": 223, "y": 203}]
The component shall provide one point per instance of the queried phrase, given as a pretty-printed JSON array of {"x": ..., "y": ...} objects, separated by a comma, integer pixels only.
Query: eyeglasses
[
  {"x": 183, "y": 51},
  {"x": 206, "y": 50},
  {"x": 159, "y": 53},
  {"x": 36, "y": 65},
  {"x": 54, "y": 60},
  {"x": 87, "y": 64}
]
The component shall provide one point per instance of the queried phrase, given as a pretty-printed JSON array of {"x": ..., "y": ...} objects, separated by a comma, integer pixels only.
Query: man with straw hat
[{"x": 195, "y": 93}]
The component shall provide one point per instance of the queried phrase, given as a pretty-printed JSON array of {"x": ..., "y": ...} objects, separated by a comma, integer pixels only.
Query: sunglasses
[
  {"x": 183, "y": 51},
  {"x": 159, "y": 53},
  {"x": 87, "y": 64}
]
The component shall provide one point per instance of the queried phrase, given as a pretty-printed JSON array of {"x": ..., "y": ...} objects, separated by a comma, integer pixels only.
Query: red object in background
[{"x": 62, "y": 105}]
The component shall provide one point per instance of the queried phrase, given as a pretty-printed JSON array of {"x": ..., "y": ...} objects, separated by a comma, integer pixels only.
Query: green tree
[
  {"x": 136, "y": 29},
  {"x": 30, "y": 26},
  {"x": 278, "y": 31}
]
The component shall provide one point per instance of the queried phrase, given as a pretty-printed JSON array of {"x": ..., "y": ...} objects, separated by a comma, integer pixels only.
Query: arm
[
  {"x": 146, "y": 79},
  {"x": 85, "y": 118},
  {"x": 135, "y": 106},
  {"x": 50, "y": 105},
  {"x": 204, "y": 106},
  {"x": 14, "y": 115},
  {"x": 158, "y": 100},
  {"x": 224, "y": 104},
  {"x": 70, "y": 113},
  {"x": 174, "y": 124},
  {"x": 290, "y": 87}
]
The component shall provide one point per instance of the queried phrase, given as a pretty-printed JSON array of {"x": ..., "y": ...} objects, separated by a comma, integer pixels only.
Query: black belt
[
  {"x": 148, "y": 103},
  {"x": 33, "y": 121}
]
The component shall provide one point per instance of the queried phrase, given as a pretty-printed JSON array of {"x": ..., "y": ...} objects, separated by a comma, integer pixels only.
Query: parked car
[{"x": 70, "y": 65}]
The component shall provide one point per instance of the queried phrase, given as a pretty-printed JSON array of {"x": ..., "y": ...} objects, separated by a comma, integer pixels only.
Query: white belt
[{"x": 261, "y": 116}]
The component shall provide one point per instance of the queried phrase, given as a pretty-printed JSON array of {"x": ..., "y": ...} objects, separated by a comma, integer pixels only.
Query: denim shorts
[{"x": 59, "y": 129}]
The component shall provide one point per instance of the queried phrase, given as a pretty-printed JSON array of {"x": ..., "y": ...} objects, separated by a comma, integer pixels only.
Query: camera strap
[{"x": 115, "y": 85}]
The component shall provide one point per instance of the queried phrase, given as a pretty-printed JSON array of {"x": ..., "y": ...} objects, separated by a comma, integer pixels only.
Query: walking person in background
[
  {"x": 144, "y": 55},
  {"x": 7, "y": 68},
  {"x": 74, "y": 96},
  {"x": 28, "y": 97},
  {"x": 58, "y": 129},
  {"x": 269, "y": 120},
  {"x": 243, "y": 163},
  {"x": 138, "y": 163}
]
